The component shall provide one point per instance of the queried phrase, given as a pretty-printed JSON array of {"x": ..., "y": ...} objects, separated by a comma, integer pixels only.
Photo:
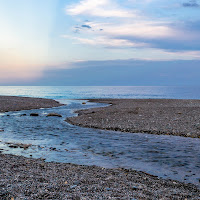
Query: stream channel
[{"x": 55, "y": 140}]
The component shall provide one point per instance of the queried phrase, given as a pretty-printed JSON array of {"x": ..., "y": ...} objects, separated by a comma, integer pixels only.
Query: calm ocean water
[{"x": 85, "y": 92}]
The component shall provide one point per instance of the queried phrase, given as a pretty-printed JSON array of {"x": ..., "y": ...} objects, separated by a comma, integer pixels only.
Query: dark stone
[
  {"x": 34, "y": 114},
  {"x": 13, "y": 146},
  {"x": 76, "y": 198},
  {"x": 53, "y": 148},
  {"x": 54, "y": 115}
]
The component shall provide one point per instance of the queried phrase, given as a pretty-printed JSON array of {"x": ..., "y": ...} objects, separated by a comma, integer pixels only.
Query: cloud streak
[
  {"x": 99, "y": 8},
  {"x": 191, "y": 3},
  {"x": 140, "y": 29},
  {"x": 107, "y": 42}
]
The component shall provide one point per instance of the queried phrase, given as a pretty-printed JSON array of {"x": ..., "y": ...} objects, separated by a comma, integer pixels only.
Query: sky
[{"x": 93, "y": 42}]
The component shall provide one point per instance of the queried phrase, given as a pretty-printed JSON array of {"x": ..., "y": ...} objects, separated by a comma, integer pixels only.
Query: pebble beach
[
  {"x": 28, "y": 178},
  {"x": 154, "y": 116}
]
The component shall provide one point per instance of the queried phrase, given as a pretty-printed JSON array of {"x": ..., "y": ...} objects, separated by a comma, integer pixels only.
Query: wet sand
[
  {"x": 26, "y": 178},
  {"x": 154, "y": 116}
]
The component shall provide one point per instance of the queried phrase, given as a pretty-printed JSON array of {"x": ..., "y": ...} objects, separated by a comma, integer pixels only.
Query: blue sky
[{"x": 37, "y": 37}]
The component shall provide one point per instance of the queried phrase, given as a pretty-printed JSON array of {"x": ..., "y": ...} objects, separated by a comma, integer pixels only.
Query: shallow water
[{"x": 165, "y": 156}]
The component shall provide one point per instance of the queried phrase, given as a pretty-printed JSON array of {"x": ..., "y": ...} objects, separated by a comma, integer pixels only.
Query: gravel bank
[
  {"x": 154, "y": 116},
  {"x": 24, "y": 178},
  {"x": 12, "y": 103},
  {"x": 27, "y": 178}
]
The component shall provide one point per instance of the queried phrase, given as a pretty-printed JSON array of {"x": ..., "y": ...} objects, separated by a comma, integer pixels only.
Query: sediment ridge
[
  {"x": 14, "y": 103},
  {"x": 155, "y": 116}
]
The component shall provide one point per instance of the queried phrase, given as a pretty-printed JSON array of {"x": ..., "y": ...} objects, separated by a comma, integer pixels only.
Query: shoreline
[
  {"x": 15, "y": 103},
  {"x": 177, "y": 117},
  {"x": 30, "y": 178}
]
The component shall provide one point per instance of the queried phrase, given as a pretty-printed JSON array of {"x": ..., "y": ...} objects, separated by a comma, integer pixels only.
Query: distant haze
[{"x": 119, "y": 73}]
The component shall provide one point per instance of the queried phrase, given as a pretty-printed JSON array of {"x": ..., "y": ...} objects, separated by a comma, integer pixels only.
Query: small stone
[
  {"x": 42, "y": 165},
  {"x": 26, "y": 146},
  {"x": 73, "y": 186},
  {"x": 53, "y": 148},
  {"x": 54, "y": 115},
  {"x": 83, "y": 103},
  {"x": 34, "y": 114},
  {"x": 76, "y": 198},
  {"x": 76, "y": 182},
  {"x": 140, "y": 187},
  {"x": 13, "y": 146},
  {"x": 198, "y": 126},
  {"x": 108, "y": 178},
  {"x": 135, "y": 188}
]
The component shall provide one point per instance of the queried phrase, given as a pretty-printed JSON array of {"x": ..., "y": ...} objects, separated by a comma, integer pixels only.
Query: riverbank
[
  {"x": 154, "y": 116},
  {"x": 12, "y": 103},
  {"x": 27, "y": 178}
]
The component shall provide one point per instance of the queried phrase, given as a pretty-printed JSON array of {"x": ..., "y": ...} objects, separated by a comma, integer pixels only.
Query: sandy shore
[
  {"x": 26, "y": 178},
  {"x": 155, "y": 116}
]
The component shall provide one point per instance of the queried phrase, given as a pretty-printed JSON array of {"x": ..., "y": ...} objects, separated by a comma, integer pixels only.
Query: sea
[
  {"x": 93, "y": 92},
  {"x": 55, "y": 140}
]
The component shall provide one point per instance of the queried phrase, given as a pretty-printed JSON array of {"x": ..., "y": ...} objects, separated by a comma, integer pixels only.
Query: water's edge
[{"x": 63, "y": 142}]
